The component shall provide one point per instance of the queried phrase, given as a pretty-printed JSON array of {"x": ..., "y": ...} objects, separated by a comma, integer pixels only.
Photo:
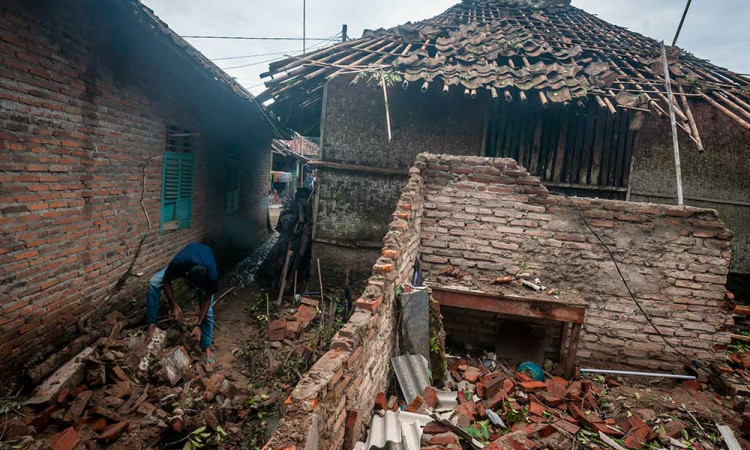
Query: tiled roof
[{"x": 544, "y": 50}]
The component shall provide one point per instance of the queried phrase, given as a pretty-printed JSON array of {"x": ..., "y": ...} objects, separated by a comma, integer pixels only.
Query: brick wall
[
  {"x": 487, "y": 217},
  {"x": 716, "y": 178},
  {"x": 86, "y": 94},
  {"x": 357, "y": 366}
]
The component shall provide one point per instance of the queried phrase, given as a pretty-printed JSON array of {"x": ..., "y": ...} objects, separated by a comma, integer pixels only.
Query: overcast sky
[{"x": 714, "y": 30}]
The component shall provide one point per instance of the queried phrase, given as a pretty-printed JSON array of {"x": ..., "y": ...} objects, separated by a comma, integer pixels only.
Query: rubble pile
[
  {"x": 133, "y": 390},
  {"x": 507, "y": 409}
]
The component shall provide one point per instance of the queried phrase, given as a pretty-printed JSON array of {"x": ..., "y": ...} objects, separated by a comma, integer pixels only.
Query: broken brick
[
  {"x": 76, "y": 409},
  {"x": 416, "y": 405},
  {"x": 430, "y": 397},
  {"x": 472, "y": 374},
  {"x": 380, "y": 403},
  {"x": 113, "y": 432},
  {"x": 66, "y": 440},
  {"x": 636, "y": 438},
  {"x": 674, "y": 428},
  {"x": 532, "y": 386}
]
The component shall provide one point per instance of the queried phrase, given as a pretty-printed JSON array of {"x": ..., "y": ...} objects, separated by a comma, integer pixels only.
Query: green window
[
  {"x": 232, "y": 196},
  {"x": 177, "y": 191}
]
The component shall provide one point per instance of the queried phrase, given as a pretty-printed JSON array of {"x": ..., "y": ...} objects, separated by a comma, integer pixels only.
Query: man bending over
[{"x": 196, "y": 264}]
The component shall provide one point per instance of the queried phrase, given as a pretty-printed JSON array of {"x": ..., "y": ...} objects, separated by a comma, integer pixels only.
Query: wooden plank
[
  {"x": 510, "y": 305},
  {"x": 622, "y": 139},
  {"x": 739, "y": 337},
  {"x": 561, "y": 141},
  {"x": 564, "y": 342},
  {"x": 588, "y": 145},
  {"x": 357, "y": 168},
  {"x": 741, "y": 310},
  {"x": 729, "y": 438},
  {"x": 536, "y": 143},
  {"x": 606, "y": 150},
  {"x": 577, "y": 150},
  {"x": 570, "y": 360},
  {"x": 596, "y": 158}
]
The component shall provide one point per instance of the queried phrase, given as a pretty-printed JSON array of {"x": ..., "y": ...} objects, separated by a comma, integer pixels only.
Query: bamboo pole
[
  {"x": 691, "y": 120},
  {"x": 673, "y": 121},
  {"x": 385, "y": 97}
]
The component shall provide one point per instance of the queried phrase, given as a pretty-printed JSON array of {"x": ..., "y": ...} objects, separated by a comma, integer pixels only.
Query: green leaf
[
  {"x": 188, "y": 446},
  {"x": 200, "y": 430},
  {"x": 221, "y": 430}
]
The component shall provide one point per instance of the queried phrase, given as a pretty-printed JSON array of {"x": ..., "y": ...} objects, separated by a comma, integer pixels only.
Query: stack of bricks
[
  {"x": 488, "y": 217},
  {"x": 333, "y": 401}
]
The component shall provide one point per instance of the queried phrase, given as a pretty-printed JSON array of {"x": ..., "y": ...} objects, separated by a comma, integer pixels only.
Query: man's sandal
[{"x": 210, "y": 362}]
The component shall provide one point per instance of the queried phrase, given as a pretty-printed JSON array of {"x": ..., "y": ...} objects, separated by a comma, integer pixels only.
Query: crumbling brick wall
[
  {"x": 334, "y": 399},
  {"x": 489, "y": 217},
  {"x": 80, "y": 121},
  {"x": 716, "y": 178}
]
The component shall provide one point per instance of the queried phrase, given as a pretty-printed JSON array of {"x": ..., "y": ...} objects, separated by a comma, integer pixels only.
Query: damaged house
[
  {"x": 519, "y": 155},
  {"x": 579, "y": 102},
  {"x": 121, "y": 144}
]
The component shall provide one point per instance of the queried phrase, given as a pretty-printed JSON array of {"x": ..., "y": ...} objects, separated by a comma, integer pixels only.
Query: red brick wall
[
  {"x": 487, "y": 217},
  {"x": 357, "y": 366},
  {"x": 79, "y": 119}
]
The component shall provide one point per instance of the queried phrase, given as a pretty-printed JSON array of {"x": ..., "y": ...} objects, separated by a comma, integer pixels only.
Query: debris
[
  {"x": 68, "y": 376},
  {"x": 729, "y": 437},
  {"x": 66, "y": 440},
  {"x": 155, "y": 344},
  {"x": 412, "y": 373},
  {"x": 175, "y": 365},
  {"x": 113, "y": 432},
  {"x": 642, "y": 374},
  {"x": 76, "y": 409}
]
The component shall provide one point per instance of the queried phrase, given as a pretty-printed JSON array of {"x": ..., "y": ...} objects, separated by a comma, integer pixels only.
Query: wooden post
[
  {"x": 675, "y": 142},
  {"x": 344, "y": 30},
  {"x": 682, "y": 21},
  {"x": 282, "y": 285},
  {"x": 691, "y": 120},
  {"x": 570, "y": 360}
]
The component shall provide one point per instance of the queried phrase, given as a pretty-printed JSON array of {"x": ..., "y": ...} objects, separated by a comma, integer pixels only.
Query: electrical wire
[
  {"x": 224, "y": 58},
  {"x": 695, "y": 364},
  {"x": 246, "y": 38},
  {"x": 315, "y": 47}
]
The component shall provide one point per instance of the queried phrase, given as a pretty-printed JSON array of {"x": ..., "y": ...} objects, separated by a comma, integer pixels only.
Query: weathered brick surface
[
  {"x": 718, "y": 176},
  {"x": 350, "y": 375},
  {"x": 674, "y": 262},
  {"x": 80, "y": 119}
]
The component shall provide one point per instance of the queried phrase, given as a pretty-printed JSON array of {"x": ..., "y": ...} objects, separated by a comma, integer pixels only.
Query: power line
[
  {"x": 254, "y": 38},
  {"x": 255, "y": 55},
  {"x": 278, "y": 59}
]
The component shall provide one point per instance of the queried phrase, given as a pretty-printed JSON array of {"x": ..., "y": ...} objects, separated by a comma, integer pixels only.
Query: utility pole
[
  {"x": 343, "y": 33},
  {"x": 304, "y": 24},
  {"x": 682, "y": 21}
]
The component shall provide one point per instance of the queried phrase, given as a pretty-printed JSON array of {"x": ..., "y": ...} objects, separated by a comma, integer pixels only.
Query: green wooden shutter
[{"x": 177, "y": 191}]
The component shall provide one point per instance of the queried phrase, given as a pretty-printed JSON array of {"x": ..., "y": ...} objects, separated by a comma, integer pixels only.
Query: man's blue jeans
[{"x": 152, "y": 308}]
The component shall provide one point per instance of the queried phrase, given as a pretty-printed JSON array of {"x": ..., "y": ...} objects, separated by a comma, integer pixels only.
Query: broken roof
[{"x": 541, "y": 49}]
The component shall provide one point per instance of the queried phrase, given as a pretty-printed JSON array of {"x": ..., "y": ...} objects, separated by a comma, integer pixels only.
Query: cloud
[{"x": 714, "y": 29}]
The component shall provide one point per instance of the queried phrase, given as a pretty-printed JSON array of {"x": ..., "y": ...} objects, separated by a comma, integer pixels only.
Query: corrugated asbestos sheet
[
  {"x": 396, "y": 431},
  {"x": 412, "y": 372}
]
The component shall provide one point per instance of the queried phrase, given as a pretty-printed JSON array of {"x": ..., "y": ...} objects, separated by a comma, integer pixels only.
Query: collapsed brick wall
[
  {"x": 333, "y": 401},
  {"x": 79, "y": 122},
  {"x": 487, "y": 217}
]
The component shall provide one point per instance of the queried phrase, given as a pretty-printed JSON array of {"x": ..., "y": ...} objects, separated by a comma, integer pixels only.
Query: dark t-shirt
[{"x": 188, "y": 257}]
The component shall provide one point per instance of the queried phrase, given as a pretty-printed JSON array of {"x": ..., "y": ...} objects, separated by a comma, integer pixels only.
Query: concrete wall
[
  {"x": 86, "y": 96},
  {"x": 335, "y": 397},
  {"x": 716, "y": 178},
  {"x": 487, "y": 218}
]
